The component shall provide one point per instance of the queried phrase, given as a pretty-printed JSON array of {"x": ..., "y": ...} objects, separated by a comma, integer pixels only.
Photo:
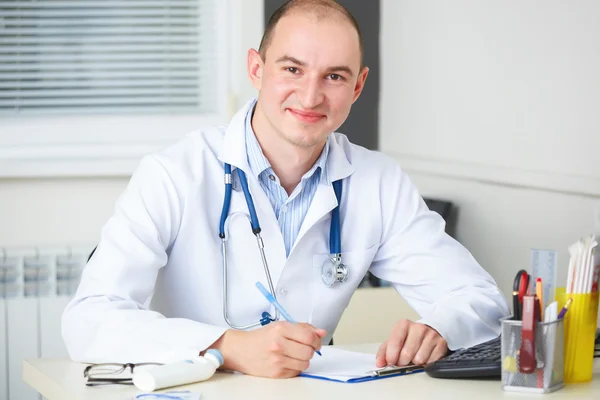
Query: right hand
[{"x": 278, "y": 350}]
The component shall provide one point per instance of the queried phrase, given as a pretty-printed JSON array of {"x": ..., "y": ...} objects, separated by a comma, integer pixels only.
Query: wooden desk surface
[{"x": 61, "y": 379}]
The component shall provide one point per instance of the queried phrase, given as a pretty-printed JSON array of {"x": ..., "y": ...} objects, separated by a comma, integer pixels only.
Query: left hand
[{"x": 411, "y": 342}]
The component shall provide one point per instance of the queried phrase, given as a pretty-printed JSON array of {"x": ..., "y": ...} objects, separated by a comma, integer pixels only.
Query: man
[{"x": 161, "y": 246}]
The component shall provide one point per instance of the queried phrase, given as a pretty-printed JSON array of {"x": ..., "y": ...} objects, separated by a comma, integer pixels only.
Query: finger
[
  {"x": 294, "y": 364},
  {"x": 425, "y": 349},
  {"x": 290, "y": 373},
  {"x": 412, "y": 343},
  {"x": 284, "y": 373},
  {"x": 380, "y": 358},
  {"x": 303, "y": 334},
  {"x": 438, "y": 352},
  {"x": 321, "y": 332},
  {"x": 298, "y": 351},
  {"x": 396, "y": 342}
]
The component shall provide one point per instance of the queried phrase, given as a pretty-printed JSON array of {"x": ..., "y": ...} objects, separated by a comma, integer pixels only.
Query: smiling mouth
[{"x": 306, "y": 116}]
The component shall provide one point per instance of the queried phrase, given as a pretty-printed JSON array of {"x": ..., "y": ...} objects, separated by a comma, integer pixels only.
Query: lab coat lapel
[
  {"x": 338, "y": 167},
  {"x": 233, "y": 151}
]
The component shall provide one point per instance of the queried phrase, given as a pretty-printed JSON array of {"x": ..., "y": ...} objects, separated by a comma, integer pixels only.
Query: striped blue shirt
[{"x": 289, "y": 210}]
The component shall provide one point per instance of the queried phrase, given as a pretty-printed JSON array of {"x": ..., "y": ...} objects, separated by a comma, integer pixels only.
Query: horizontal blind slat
[
  {"x": 57, "y": 84},
  {"x": 154, "y": 91},
  {"x": 101, "y": 49},
  {"x": 97, "y": 75},
  {"x": 98, "y": 101},
  {"x": 97, "y": 4},
  {"x": 162, "y": 12},
  {"x": 93, "y": 59},
  {"x": 198, "y": 108},
  {"x": 103, "y": 30},
  {"x": 99, "y": 21},
  {"x": 78, "y": 65},
  {"x": 95, "y": 40}
]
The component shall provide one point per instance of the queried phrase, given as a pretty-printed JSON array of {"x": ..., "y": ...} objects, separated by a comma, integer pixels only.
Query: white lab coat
[{"x": 153, "y": 289}]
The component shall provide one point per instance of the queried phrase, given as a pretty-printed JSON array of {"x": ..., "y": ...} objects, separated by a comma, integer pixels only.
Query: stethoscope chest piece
[{"x": 333, "y": 270}]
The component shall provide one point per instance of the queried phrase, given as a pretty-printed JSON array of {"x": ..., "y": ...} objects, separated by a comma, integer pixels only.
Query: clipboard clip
[{"x": 396, "y": 370}]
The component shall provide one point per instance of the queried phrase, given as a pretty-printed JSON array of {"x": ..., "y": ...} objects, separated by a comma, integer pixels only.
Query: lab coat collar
[
  {"x": 233, "y": 150},
  {"x": 338, "y": 166}
]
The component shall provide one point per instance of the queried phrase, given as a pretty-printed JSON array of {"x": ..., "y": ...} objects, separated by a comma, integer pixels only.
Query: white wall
[
  {"x": 510, "y": 87},
  {"x": 493, "y": 105}
]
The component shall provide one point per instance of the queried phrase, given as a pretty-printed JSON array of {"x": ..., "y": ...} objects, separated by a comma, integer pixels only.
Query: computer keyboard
[{"x": 480, "y": 361}]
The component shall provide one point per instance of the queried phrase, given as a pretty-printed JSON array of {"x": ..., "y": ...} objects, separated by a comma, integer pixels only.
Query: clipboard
[{"x": 351, "y": 367}]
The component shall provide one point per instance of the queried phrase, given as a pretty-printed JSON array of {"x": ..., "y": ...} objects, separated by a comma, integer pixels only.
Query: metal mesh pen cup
[{"x": 548, "y": 375}]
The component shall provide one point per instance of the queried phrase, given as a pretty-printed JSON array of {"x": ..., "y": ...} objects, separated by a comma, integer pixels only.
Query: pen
[
  {"x": 565, "y": 308},
  {"x": 278, "y": 306}
]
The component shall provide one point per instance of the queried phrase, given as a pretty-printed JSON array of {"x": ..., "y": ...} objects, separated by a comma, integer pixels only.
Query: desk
[{"x": 60, "y": 379}]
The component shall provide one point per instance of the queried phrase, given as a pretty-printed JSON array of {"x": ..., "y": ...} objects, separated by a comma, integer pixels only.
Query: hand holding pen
[
  {"x": 279, "y": 349},
  {"x": 271, "y": 299}
]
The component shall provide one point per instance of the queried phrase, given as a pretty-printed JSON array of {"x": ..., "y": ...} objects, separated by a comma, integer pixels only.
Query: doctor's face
[{"x": 310, "y": 77}]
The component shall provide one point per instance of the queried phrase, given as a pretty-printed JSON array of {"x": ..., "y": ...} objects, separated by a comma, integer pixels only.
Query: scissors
[{"x": 520, "y": 288}]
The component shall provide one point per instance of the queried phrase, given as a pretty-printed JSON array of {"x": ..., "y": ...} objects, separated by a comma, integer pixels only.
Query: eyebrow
[{"x": 337, "y": 68}]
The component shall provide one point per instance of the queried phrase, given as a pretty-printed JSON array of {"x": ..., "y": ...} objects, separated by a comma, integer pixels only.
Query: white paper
[{"x": 341, "y": 365}]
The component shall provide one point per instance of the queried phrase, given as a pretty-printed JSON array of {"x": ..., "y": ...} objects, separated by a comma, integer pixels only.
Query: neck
[{"x": 289, "y": 161}]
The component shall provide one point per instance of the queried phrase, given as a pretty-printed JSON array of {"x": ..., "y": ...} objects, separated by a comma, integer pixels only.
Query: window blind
[{"x": 106, "y": 56}]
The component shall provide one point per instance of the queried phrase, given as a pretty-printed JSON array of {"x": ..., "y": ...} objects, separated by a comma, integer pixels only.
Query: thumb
[{"x": 380, "y": 358}]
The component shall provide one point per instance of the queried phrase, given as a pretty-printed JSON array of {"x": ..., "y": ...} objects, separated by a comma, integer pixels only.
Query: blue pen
[{"x": 278, "y": 306}]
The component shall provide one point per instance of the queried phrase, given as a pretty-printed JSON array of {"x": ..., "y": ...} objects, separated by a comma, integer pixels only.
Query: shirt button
[
  {"x": 283, "y": 209},
  {"x": 272, "y": 177}
]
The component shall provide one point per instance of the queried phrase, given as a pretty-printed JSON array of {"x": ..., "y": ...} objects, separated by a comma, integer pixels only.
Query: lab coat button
[{"x": 283, "y": 291}]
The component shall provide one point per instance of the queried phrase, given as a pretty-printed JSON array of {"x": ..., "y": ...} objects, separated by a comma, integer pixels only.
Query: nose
[{"x": 311, "y": 92}]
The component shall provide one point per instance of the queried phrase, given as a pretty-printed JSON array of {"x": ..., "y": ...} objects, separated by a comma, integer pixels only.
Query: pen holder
[
  {"x": 580, "y": 332},
  {"x": 548, "y": 374}
]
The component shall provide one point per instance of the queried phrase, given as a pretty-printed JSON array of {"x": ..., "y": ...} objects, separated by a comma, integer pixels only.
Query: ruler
[{"x": 543, "y": 265}]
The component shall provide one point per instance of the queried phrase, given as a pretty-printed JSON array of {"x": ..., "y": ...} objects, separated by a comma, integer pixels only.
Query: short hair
[{"x": 319, "y": 8}]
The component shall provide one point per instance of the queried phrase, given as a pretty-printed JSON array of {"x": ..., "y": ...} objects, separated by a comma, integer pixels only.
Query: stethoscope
[{"x": 332, "y": 271}]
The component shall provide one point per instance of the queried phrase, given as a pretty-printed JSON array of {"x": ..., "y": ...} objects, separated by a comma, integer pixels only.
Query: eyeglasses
[{"x": 111, "y": 374}]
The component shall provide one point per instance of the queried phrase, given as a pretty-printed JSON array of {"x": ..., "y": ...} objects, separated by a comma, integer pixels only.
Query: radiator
[{"x": 35, "y": 286}]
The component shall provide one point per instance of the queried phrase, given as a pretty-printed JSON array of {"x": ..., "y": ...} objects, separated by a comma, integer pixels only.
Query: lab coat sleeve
[
  {"x": 108, "y": 320},
  {"x": 435, "y": 274}
]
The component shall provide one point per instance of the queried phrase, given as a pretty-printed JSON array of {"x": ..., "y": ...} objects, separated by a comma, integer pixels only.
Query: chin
[{"x": 306, "y": 141}]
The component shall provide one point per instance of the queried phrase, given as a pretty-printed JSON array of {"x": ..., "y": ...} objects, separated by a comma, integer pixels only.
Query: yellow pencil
[{"x": 538, "y": 293}]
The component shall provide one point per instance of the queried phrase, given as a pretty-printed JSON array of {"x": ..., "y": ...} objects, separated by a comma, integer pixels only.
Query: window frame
[{"x": 113, "y": 144}]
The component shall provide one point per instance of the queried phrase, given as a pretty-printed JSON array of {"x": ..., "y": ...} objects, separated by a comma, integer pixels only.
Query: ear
[
  {"x": 255, "y": 68},
  {"x": 360, "y": 83}
]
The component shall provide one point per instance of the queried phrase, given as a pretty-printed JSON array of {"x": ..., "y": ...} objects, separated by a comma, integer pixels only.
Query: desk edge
[{"x": 42, "y": 384}]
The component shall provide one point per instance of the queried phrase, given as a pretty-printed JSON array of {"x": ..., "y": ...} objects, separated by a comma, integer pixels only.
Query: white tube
[{"x": 157, "y": 377}]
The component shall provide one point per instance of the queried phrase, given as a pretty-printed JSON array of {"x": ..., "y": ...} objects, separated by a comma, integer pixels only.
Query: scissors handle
[{"x": 520, "y": 284}]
